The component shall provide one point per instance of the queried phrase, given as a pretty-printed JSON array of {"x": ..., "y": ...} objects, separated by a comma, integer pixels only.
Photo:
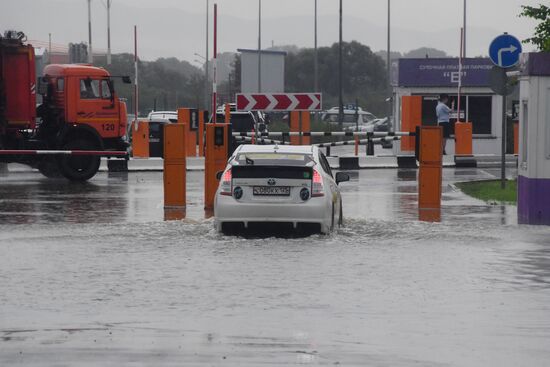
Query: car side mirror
[
  {"x": 126, "y": 79},
  {"x": 341, "y": 177},
  {"x": 219, "y": 175}
]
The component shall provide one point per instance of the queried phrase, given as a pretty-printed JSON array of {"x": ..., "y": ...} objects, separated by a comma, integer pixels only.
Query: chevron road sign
[{"x": 279, "y": 102}]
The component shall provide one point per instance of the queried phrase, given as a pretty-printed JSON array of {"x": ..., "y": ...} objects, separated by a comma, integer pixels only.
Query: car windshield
[{"x": 276, "y": 159}]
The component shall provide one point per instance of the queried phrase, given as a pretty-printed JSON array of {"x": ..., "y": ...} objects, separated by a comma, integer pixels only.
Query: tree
[
  {"x": 541, "y": 38},
  {"x": 363, "y": 79},
  {"x": 425, "y": 52},
  {"x": 166, "y": 83}
]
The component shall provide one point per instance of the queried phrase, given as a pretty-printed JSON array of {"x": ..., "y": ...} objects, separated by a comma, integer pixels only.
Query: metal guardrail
[
  {"x": 361, "y": 142},
  {"x": 103, "y": 153},
  {"x": 371, "y": 134},
  {"x": 262, "y": 140}
]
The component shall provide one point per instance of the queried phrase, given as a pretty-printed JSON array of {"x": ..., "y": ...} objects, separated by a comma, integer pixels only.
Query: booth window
[
  {"x": 476, "y": 109},
  {"x": 480, "y": 113}
]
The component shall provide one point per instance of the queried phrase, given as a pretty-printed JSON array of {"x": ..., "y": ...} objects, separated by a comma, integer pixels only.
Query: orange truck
[{"x": 79, "y": 120}]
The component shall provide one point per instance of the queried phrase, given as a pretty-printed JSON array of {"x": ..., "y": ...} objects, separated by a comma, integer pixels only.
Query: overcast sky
[{"x": 177, "y": 27}]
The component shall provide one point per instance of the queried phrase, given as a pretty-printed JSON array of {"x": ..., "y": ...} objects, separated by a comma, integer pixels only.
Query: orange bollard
[
  {"x": 185, "y": 117},
  {"x": 300, "y": 121},
  {"x": 215, "y": 160},
  {"x": 305, "y": 122},
  {"x": 174, "y": 166},
  {"x": 140, "y": 139},
  {"x": 294, "y": 126},
  {"x": 202, "y": 118},
  {"x": 463, "y": 138},
  {"x": 430, "y": 171},
  {"x": 516, "y": 137},
  {"x": 411, "y": 116},
  {"x": 356, "y": 145}
]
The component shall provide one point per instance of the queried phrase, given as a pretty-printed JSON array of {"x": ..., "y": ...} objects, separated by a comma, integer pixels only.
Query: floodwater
[{"x": 92, "y": 275}]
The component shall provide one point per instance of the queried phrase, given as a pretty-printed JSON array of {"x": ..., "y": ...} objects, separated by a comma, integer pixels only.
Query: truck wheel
[
  {"x": 79, "y": 167},
  {"x": 49, "y": 168}
]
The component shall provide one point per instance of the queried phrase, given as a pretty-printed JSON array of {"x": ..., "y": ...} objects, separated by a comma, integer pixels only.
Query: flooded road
[{"x": 92, "y": 275}]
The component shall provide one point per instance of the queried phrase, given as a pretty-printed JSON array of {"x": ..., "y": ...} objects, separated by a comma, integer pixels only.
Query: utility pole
[
  {"x": 388, "y": 65},
  {"x": 49, "y": 45},
  {"x": 259, "y": 46},
  {"x": 464, "y": 30},
  {"x": 90, "y": 51},
  {"x": 340, "y": 96},
  {"x": 108, "y": 32},
  {"x": 315, "y": 60},
  {"x": 206, "y": 64}
]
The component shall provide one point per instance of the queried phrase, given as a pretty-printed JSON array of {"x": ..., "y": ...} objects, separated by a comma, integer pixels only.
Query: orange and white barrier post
[
  {"x": 430, "y": 173},
  {"x": 174, "y": 175},
  {"x": 215, "y": 160},
  {"x": 463, "y": 139},
  {"x": 411, "y": 116},
  {"x": 140, "y": 139}
]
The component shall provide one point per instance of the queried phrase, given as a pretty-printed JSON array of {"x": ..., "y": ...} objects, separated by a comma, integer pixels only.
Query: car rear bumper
[{"x": 315, "y": 210}]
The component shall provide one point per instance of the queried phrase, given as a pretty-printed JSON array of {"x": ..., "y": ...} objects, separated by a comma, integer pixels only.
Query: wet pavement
[{"x": 92, "y": 275}]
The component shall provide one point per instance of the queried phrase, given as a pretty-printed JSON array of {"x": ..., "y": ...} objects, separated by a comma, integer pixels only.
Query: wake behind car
[{"x": 292, "y": 186}]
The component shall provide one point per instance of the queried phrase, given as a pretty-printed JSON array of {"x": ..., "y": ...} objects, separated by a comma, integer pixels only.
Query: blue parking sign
[{"x": 504, "y": 51}]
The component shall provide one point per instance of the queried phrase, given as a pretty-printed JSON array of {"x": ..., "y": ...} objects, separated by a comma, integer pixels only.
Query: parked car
[
  {"x": 243, "y": 121},
  {"x": 287, "y": 185},
  {"x": 157, "y": 119},
  {"x": 351, "y": 117}
]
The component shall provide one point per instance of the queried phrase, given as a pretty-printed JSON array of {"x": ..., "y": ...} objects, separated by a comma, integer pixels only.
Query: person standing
[{"x": 443, "y": 112}]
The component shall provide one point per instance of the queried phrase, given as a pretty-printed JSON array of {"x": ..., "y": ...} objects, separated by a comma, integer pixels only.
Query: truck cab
[{"x": 80, "y": 99}]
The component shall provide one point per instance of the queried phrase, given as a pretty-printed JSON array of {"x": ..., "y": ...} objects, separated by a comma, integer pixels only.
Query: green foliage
[
  {"x": 166, "y": 83},
  {"x": 541, "y": 37},
  {"x": 490, "y": 191}
]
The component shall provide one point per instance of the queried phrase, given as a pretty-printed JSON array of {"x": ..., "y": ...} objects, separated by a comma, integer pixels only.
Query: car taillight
[
  {"x": 226, "y": 183},
  {"x": 317, "y": 188}
]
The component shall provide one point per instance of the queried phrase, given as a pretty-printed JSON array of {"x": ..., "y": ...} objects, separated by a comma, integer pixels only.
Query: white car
[{"x": 287, "y": 185}]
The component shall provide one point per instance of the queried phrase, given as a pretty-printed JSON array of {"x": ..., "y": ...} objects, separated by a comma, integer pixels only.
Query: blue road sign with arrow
[{"x": 504, "y": 51}]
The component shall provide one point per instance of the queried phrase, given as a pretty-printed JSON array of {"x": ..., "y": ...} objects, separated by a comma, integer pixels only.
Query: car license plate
[{"x": 271, "y": 190}]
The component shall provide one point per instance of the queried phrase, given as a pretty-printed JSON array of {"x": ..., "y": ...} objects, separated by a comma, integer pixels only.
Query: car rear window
[{"x": 274, "y": 159}]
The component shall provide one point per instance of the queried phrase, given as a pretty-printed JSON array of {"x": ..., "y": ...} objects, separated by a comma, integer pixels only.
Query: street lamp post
[
  {"x": 388, "y": 64},
  {"x": 464, "y": 30},
  {"x": 206, "y": 64},
  {"x": 90, "y": 53},
  {"x": 259, "y": 46},
  {"x": 340, "y": 96},
  {"x": 108, "y": 32},
  {"x": 315, "y": 59}
]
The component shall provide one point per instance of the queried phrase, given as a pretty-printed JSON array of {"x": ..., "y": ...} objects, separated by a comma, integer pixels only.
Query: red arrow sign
[
  {"x": 283, "y": 102},
  {"x": 303, "y": 102},
  {"x": 279, "y": 102}
]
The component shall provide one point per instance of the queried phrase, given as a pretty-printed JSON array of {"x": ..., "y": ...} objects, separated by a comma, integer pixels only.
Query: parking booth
[
  {"x": 426, "y": 79},
  {"x": 534, "y": 140}
]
